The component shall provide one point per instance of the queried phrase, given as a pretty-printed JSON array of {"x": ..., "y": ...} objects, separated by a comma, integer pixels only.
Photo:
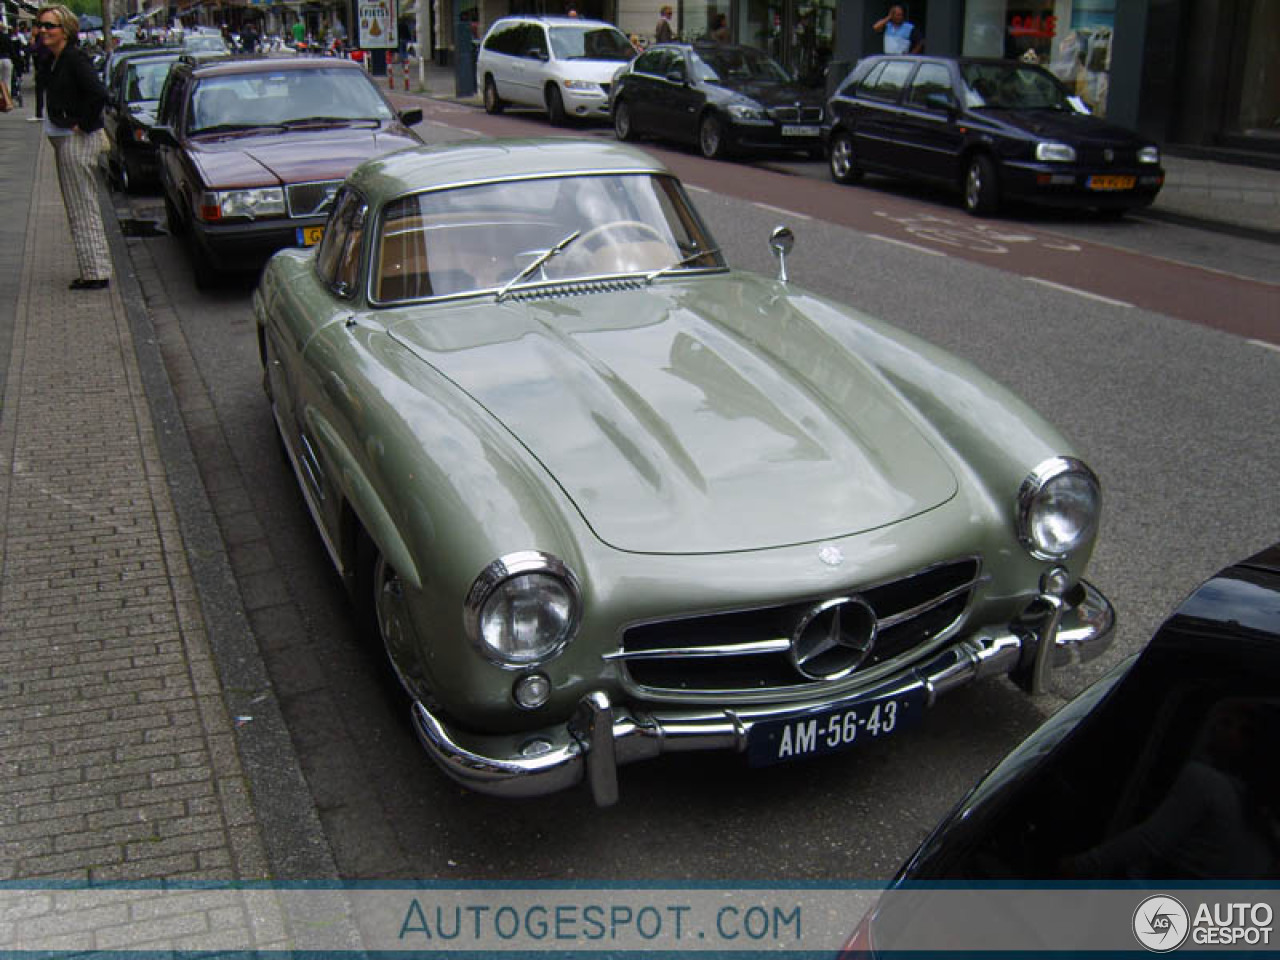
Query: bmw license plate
[
  {"x": 1111, "y": 183},
  {"x": 792, "y": 130},
  {"x": 811, "y": 735},
  {"x": 310, "y": 236}
]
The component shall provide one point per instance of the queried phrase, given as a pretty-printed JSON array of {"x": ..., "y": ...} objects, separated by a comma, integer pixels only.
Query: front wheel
[
  {"x": 981, "y": 186},
  {"x": 555, "y": 107},
  {"x": 492, "y": 102},
  {"x": 711, "y": 137},
  {"x": 842, "y": 160},
  {"x": 622, "y": 125}
]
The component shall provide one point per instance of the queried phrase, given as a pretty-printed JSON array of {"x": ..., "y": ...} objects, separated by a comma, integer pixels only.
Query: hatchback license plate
[
  {"x": 791, "y": 130},
  {"x": 1111, "y": 183},
  {"x": 310, "y": 236},
  {"x": 776, "y": 741}
]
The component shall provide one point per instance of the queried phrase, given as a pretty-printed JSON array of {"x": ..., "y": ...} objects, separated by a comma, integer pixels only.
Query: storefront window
[
  {"x": 1259, "y": 115},
  {"x": 1071, "y": 38}
]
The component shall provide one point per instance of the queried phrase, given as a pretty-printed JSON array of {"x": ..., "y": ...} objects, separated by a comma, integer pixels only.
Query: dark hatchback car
[
  {"x": 1163, "y": 771},
  {"x": 725, "y": 99},
  {"x": 134, "y": 84},
  {"x": 253, "y": 150},
  {"x": 997, "y": 129}
]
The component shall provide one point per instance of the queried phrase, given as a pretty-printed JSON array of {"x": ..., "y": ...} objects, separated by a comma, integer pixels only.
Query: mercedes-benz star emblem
[{"x": 833, "y": 638}]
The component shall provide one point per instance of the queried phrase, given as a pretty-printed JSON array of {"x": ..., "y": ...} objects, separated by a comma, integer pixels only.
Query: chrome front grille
[
  {"x": 311, "y": 199},
  {"x": 749, "y": 650},
  {"x": 796, "y": 114}
]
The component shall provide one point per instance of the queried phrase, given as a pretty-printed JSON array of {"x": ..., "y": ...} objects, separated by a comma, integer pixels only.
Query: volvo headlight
[
  {"x": 1050, "y": 151},
  {"x": 252, "y": 204},
  {"x": 1149, "y": 155},
  {"x": 523, "y": 609},
  {"x": 1058, "y": 508}
]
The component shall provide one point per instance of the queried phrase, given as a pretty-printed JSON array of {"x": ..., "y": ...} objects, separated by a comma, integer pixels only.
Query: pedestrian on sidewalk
[
  {"x": 40, "y": 61},
  {"x": 74, "y": 99}
]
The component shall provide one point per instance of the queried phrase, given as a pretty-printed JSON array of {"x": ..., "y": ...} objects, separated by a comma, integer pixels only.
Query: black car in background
[
  {"x": 134, "y": 83},
  {"x": 1163, "y": 771},
  {"x": 726, "y": 99},
  {"x": 997, "y": 129}
]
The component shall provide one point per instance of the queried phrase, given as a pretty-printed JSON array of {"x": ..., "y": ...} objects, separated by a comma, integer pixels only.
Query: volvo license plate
[
  {"x": 826, "y": 731},
  {"x": 792, "y": 130},
  {"x": 310, "y": 236},
  {"x": 1111, "y": 183}
]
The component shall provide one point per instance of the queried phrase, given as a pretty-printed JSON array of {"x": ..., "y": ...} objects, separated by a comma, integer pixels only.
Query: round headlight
[
  {"x": 1058, "y": 508},
  {"x": 522, "y": 609}
]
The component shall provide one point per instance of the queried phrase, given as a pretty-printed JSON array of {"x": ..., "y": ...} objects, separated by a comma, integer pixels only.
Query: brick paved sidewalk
[{"x": 127, "y": 748}]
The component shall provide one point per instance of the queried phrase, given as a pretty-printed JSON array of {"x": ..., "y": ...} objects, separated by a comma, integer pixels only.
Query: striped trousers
[{"x": 76, "y": 157}]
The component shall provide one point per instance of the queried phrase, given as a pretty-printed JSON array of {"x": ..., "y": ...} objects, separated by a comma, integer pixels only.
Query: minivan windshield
[
  {"x": 1004, "y": 86},
  {"x": 590, "y": 42}
]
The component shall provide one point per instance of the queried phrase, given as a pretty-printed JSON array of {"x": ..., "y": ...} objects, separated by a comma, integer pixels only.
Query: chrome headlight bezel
[
  {"x": 520, "y": 577},
  {"x": 252, "y": 203},
  {"x": 583, "y": 86},
  {"x": 1053, "y": 151},
  {"x": 1061, "y": 488},
  {"x": 748, "y": 111}
]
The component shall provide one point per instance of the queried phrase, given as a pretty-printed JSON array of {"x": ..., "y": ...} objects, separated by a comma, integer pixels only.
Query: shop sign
[{"x": 378, "y": 24}]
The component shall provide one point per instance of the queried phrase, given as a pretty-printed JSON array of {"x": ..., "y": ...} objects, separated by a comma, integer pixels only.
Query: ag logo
[{"x": 1161, "y": 923}]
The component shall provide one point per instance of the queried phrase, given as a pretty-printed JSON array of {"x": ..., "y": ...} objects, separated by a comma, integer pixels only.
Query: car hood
[
  {"x": 691, "y": 417},
  {"x": 300, "y": 155},
  {"x": 1073, "y": 127},
  {"x": 773, "y": 94}
]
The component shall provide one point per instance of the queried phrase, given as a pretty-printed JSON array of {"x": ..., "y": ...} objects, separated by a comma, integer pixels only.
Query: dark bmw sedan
[
  {"x": 999, "y": 130},
  {"x": 725, "y": 99},
  {"x": 253, "y": 150}
]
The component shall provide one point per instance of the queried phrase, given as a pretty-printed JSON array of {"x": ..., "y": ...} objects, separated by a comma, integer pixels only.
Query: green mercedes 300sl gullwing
[{"x": 607, "y": 497}]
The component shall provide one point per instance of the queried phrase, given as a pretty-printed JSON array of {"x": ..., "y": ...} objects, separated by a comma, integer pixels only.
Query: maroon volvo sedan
[{"x": 252, "y": 151}]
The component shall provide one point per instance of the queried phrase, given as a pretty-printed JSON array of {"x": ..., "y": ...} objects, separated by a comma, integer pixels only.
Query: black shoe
[{"x": 81, "y": 284}]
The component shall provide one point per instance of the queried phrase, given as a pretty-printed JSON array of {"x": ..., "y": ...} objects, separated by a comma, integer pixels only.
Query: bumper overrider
[{"x": 1053, "y": 631}]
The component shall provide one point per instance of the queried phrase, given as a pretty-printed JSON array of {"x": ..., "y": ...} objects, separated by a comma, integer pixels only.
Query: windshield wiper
[
  {"x": 237, "y": 128},
  {"x": 697, "y": 255},
  {"x": 306, "y": 121},
  {"x": 543, "y": 258}
]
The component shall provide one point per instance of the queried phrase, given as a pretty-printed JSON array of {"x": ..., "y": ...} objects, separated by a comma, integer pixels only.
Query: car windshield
[
  {"x": 737, "y": 65},
  {"x": 1008, "y": 87},
  {"x": 281, "y": 97},
  {"x": 588, "y": 42},
  {"x": 145, "y": 78},
  {"x": 480, "y": 239}
]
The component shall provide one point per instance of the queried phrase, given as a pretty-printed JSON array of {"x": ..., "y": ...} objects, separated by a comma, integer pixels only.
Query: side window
[
  {"x": 888, "y": 83},
  {"x": 868, "y": 81},
  {"x": 507, "y": 40},
  {"x": 650, "y": 63},
  {"x": 536, "y": 42},
  {"x": 931, "y": 78},
  {"x": 338, "y": 257},
  {"x": 674, "y": 63},
  {"x": 171, "y": 99}
]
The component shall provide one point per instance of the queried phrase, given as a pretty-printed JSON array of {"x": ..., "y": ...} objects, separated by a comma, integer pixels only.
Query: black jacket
[{"x": 74, "y": 94}]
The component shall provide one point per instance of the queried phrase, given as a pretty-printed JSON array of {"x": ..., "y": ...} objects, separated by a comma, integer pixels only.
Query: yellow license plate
[
  {"x": 1111, "y": 183},
  {"x": 310, "y": 236}
]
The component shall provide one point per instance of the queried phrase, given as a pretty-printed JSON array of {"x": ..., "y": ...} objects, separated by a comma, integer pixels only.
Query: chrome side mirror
[{"x": 781, "y": 242}]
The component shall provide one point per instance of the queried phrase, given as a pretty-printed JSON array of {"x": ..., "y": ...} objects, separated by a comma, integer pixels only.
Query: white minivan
[{"x": 561, "y": 64}]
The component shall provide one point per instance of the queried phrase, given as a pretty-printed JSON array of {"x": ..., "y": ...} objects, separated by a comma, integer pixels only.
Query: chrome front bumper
[{"x": 601, "y": 736}]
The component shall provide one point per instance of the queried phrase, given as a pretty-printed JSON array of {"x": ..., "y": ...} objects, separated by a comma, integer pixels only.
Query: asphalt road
[{"x": 1175, "y": 415}]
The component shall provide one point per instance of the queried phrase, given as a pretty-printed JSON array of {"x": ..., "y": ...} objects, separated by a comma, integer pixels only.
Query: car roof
[
  {"x": 476, "y": 161},
  {"x": 226, "y": 66},
  {"x": 554, "y": 21}
]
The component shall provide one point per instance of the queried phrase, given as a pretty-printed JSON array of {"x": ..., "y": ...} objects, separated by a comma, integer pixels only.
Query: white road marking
[
  {"x": 1266, "y": 346},
  {"x": 909, "y": 246},
  {"x": 785, "y": 213},
  {"x": 1080, "y": 293}
]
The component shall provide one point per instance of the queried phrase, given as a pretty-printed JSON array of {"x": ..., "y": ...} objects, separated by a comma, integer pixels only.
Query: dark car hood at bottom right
[{"x": 1065, "y": 125}]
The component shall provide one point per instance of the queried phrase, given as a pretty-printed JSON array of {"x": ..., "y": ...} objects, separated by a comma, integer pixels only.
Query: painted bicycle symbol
[{"x": 979, "y": 237}]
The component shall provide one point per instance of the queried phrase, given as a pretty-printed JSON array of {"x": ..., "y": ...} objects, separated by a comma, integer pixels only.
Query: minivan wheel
[
  {"x": 843, "y": 160},
  {"x": 981, "y": 186},
  {"x": 492, "y": 102},
  {"x": 555, "y": 107}
]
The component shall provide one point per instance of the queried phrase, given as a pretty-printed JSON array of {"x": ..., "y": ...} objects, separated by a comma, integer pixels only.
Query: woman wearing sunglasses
[{"x": 74, "y": 97}]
